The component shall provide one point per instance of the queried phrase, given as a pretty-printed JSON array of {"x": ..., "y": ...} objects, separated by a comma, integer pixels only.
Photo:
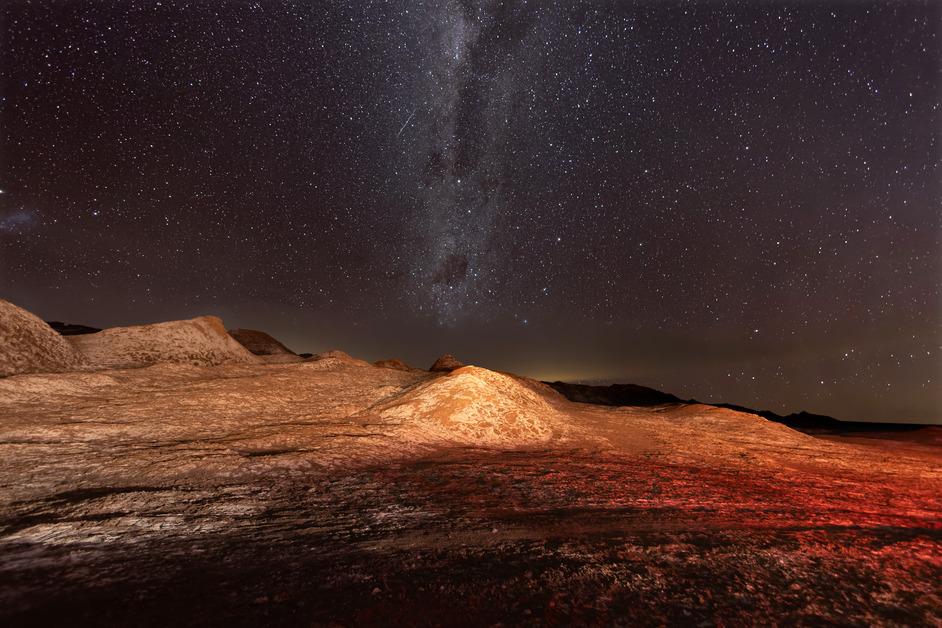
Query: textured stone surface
[
  {"x": 29, "y": 345},
  {"x": 333, "y": 491},
  {"x": 336, "y": 491},
  {"x": 201, "y": 341},
  {"x": 394, "y": 363},
  {"x": 446, "y": 363},
  {"x": 259, "y": 342}
]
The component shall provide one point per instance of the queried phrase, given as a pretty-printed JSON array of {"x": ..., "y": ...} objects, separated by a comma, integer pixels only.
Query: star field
[{"x": 730, "y": 202}]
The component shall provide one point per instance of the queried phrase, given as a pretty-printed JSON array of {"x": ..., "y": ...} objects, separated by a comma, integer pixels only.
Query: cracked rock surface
[{"x": 336, "y": 492}]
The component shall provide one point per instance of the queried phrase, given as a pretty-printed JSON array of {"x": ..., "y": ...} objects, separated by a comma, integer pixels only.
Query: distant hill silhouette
[
  {"x": 808, "y": 421},
  {"x": 259, "y": 342},
  {"x": 614, "y": 395},
  {"x": 71, "y": 329},
  {"x": 634, "y": 395}
]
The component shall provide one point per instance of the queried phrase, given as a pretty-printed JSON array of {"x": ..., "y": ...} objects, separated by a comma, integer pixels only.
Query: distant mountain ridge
[
  {"x": 72, "y": 329},
  {"x": 614, "y": 394},
  {"x": 267, "y": 348},
  {"x": 809, "y": 421},
  {"x": 635, "y": 395}
]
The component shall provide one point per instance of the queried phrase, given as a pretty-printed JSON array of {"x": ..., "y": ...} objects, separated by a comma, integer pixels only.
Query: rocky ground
[{"x": 334, "y": 492}]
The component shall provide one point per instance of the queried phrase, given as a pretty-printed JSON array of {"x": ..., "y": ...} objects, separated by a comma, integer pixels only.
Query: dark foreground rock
[{"x": 466, "y": 538}]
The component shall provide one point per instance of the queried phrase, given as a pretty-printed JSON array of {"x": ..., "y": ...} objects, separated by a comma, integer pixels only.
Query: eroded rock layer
[
  {"x": 198, "y": 341},
  {"x": 29, "y": 345}
]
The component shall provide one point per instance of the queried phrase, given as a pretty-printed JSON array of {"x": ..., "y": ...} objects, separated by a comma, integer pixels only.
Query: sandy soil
[{"x": 337, "y": 492}]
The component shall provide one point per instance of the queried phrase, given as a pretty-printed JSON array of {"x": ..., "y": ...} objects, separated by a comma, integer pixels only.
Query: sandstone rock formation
[
  {"x": 475, "y": 406},
  {"x": 335, "y": 357},
  {"x": 334, "y": 492},
  {"x": 198, "y": 341},
  {"x": 259, "y": 343},
  {"x": 446, "y": 363},
  {"x": 29, "y": 345},
  {"x": 263, "y": 345},
  {"x": 393, "y": 363}
]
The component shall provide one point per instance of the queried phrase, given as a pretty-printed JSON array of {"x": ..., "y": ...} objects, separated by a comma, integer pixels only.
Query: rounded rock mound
[
  {"x": 259, "y": 343},
  {"x": 29, "y": 345},
  {"x": 200, "y": 341},
  {"x": 393, "y": 363},
  {"x": 265, "y": 346},
  {"x": 475, "y": 406},
  {"x": 335, "y": 359},
  {"x": 445, "y": 364}
]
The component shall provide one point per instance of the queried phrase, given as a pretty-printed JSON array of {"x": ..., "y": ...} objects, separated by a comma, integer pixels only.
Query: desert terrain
[{"x": 166, "y": 474}]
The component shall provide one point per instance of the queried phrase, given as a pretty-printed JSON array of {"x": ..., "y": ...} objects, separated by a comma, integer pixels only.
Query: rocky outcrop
[
  {"x": 259, "y": 343},
  {"x": 29, "y": 345},
  {"x": 393, "y": 363},
  {"x": 199, "y": 341},
  {"x": 475, "y": 406},
  {"x": 446, "y": 363},
  {"x": 264, "y": 346},
  {"x": 335, "y": 357},
  {"x": 348, "y": 494}
]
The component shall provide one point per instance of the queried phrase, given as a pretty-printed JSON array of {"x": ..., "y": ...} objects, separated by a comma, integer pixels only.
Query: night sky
[{"x": 729, "y": 202}]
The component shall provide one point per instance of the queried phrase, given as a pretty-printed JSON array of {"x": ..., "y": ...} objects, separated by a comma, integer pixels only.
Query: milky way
[
  {"x": 469, "y": 101},
  {"x": 735, "y": 202}
]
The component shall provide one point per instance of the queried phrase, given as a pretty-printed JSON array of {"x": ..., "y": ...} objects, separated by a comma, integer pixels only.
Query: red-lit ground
[{"x": 324, "y": 493}]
